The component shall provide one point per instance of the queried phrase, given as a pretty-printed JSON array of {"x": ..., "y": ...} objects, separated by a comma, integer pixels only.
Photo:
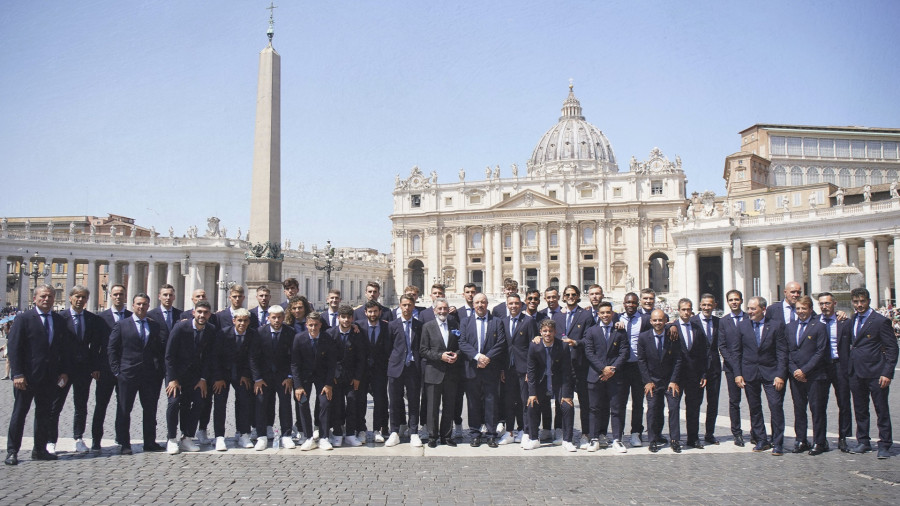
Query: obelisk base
[{"x": 264, "y": 272}]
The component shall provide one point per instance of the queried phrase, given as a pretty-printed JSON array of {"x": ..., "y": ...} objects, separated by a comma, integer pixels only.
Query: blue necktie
[
  {"x": 409, "y": 354},
  {"x": 275, "y": 338},
  {"x": 79, "y": 331},
  {"x": 344, "y": 338},
  {"x": 265, "y": 317},
  {"x": 569, "y": 322},
  {"x": 120, "y": 314},
  {"x": 659, "y": 346},
  {"x": 800, "y": 329},
  {"x": 315, "y": 345},
  {"x": 606, "y": 334},
  {"x": 481, "y": 334},
  {"x": 168, "y": 319},
  {"x": 756, "y": 329},
  {"x": 372, "y": 335},
  {"x": 548, "y": 371},
  {"x": 47, "y": 327},
  {"x": 793, "y": 314},
  {"x": 334, "y": 319},
  {"x": 860, "y": 319},
  {"x": 709, "y": 330},
  {"x": 143, "y": 331},
  {"x": 513, "y": 322}
]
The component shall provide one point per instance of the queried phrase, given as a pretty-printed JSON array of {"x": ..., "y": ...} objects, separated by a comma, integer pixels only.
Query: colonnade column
[
  {"x": 884, "y": 273},
  {"x": 222, "y": 288},
  {"x": 544, "y": 252},
  {"x": 764, "y": 267},
  {"x": 842, "y": 251},
  {"x": 739, "y": 271},
  {"x": 692, "y": 274},
  {"x": 462, "y": 274},
  {"x": 399, "y": 263},
  {"x": 896, "y": 269},
  {"x": 788, "y": 263},
  {"x": 815, "y": 257},
  {"x": 871, "y": 271},
  {"x": 131, "y": 288},
  {"x": 602, "y": 267},
  {"x": 112, "y": 271},
  {"x": 70, "y": 280},
  {"x": 517, "y": 254},
  {"x": 853, "y": 253},
  {"x": 488, "y": 259},
  {"x": 152, "y": 280},
  {"x": 92, "y": 286},
  {"x": 574, "y": 257},
  {"x": 498, "y": 258},
  {"x": 727, "y": 270},
  {"x": 562, "y": 242}
]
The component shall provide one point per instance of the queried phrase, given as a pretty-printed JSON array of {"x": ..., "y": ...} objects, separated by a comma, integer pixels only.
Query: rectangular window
[
  {"x": 810, "y": 146},
  {"x": 506, "y": 196},
  {"x": 820, "y": 197},
  {"x": 826, "y": 148},
  {"x": 798, "y": 198},
  {"x": 554, "y": 239},
  {"x": 474, "y": 199},
  {"x": 448, "y": 201},
  {"x": 587, "y": 193},
  {"x": 858, "y": 149},
  {"x": 552, "y": 194},
  {"x": 476, "y": 260},
  {"x": 742, "y": 205},
  {"x": 842, "y": 148},
  {"x": 656, "y": 187},
  {"x": 757, "y": 204},
  {"x": 507, "y": 259},
  {"x": 617, "y": 191},
  {"x": 553, "y": 258},
  {"x": 873, "y": 150},
  {"x": 890, "y": 149},
  {"x": 776, "y": 145},
  {"x": 588, "y": 256},
  {"x": 794, "y": 146}
]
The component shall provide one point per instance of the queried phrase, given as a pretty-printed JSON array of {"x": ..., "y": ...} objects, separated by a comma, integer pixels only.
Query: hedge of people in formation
[{"x": 518, "y": 370}]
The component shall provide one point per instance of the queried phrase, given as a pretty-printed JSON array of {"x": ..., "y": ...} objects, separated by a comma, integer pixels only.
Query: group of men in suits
[{"x": 518, "y": 369}]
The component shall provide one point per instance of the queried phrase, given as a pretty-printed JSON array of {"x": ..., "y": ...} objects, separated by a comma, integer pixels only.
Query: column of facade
[
  {"x": 574, "y": 257},
  {"x": 517, "y": 254},
  {"x": 679, "y": 273},
  {"x": 171, "y": 278},
  {"x": 399, "y": 261},
  {"x": 764, "y": 271},
  {"x": 896, "y": 268},
  {"x": 691, "y": 272},
  {"x": 727, "y": 270},
  {"x": 562, "y": 237},
  {"x": 602, "y": 267},
  {"x": 112, "y": 274},
  {"x": 462, "y": 273},
  {"x": 788, "y": 263},
  {"x": 153, "y": 283},
  {"x": 853, "y": 253},
  {"x": 815, "y": 258},
  {"x": 434, "y": 257},
  {"x": 799, "y": 274},
  {"x": 841, "y": 253},
  {"x": 884, "y": 273},
  {"x": 222, "y": 287},
  {"x": 92, "y": 279},
  {"x": 498, "y": 258},
  {"x": 70, "y": 279},
  {"x": 871, "y": 271},
  {"x": 544, "y": 252},
  {"x": 488, "y": 259},
  {"x": 131, "y": 288},
  {"x": 740, "y": 278}
]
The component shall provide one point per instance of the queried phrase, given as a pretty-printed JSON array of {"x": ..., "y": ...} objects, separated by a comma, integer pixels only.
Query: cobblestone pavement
[{"x": 719, "y": 474}]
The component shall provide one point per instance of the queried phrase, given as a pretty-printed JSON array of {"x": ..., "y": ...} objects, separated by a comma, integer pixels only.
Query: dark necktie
[
  {"x": 548, "y": 371},
  {"x": 315, "y": 345},
  {"x": 709, "y": 330},
  {"x": 47, "y": 327},
  {"x": 659, "y": 346},
  {"x": 595, "y": 315},
  {"x": 737, "y": 317},
  {"x": 687, "y": 335},
  {"x": 569, "y": 318},
  {"x": 481, "y": 334},
  {"x": 143, "y": 331},
  {"x": 334, "y": 319},
  {"x": 168, "y": 319},
  {"x": 344, "y": 337},
  {"x": 513, "y": 323},
  {"x": 239, "y": 338},
  {"x": 120, "y": 314},
  {"x": 606, "y": 333},
  {"x": 793, "y": 314},
  {"x": 800, "y": 329},
  {"x": 860, "y": 319},
  {"x": 275, "y": 338},
  {"x": 372, "y": 335},
  {"x": 409, "y": 354},
  {"x": 265, "y": 316},
  {"x": 79, "y": 328},
  {"x": 756, "y": 330},
  {"x": 197, "y": 338}
]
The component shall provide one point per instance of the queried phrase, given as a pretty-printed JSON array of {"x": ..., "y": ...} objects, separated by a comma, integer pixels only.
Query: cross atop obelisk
[{"x": 264, "y": 255}]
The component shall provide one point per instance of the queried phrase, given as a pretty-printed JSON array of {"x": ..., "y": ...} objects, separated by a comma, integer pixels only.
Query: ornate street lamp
[
  {"x": 329, "y": 266},
  {"x": 37, "y": 272}
]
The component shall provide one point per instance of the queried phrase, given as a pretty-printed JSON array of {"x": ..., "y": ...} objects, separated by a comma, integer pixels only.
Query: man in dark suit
[
  {"x": 205, "y": 402},
  {"x": 331, "y": 311},
  {"x": 510, "y": 286},
  {"x": 606, "y": 350},
  {"x": 166, "y": 313},
  {"x": 291, "y": 288},
  {"x": 373, "y": 291},
  {"x": 439, "y": 350},
  {"x": 595, "y": 297},
  {"x": 107, "y": 382},
  {"x": 233, "y": 371},
  {"x": 350, "y": 351},
  {"x": 530, "y": 309},
  {"x": 483, "y": 349},
  {"x": 313, "y": 365},
  {"x": 807, "y": 340},
  {"x": 870, "y": 343},
  {"x": 550, "y": 376},
  {"x": 190, "y": 362},
  {"x": 694, "y": 365},
  {"x": 634, "y": 323},
  {"x": 85, "y": 327},
  {"x": 412, "y": 291},
  {"x": 378, "y": 349},
  {"x": 710, "y": 325},
  {"x": 659, "y": 360},
  {"x": 731, "y": 327},
  {"x": 760, "y": 355},
  {"x": 784, "y": 311},
  {"x": 551, "y": 297},
  {"x": 837, "y": 369},
  {"x": 574, "y": 322},
  {"x": 270, "y": 364},
  {"x": 520, "y": 331},
  {"x": 263, "y": 300},
  {"x": 236, "y": 298},
  {"x": 137, "y": 352},
  {"x": 403, "y": 372},
  {"x": 648, "y": 303},
  {"x": 38, "y": 344}
]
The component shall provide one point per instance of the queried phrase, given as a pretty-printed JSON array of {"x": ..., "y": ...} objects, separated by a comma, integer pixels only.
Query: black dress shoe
[
  {"x": 842, "y": 445},
  {"x": 711, "y": 440},
  {"x": 801, "y": 447},
  {"x": 125, "y": 450},
  {"x": 738, "y": 440},
  {"x": 762, "y": 446},
  {"x": 448, "y": 441},
  {"x": 654, "y": 447},
  {"x": 662, "y": 440},
  {"x": 861, "y": 448},
  {"x": 492, "y": 442},
  {"x": 12, "y": 459},
  {"x": 476, "y": 442},
  {"x": 432, "y": 443},
  {"x": 676, "y": 446},
  {"x": 696, "y": 445},
  {"x": 42, "y": 455},
  {"x": 817, "y": 450},
  {"x": 153, "y": 447},
  {"x": 753, "y": 440}
]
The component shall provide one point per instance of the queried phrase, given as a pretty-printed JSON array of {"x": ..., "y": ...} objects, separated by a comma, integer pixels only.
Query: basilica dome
[{"x": 572, "y": 144}]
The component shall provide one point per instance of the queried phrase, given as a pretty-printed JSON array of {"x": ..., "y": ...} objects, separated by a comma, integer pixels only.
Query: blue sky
[{"x": 146, "y": 108}]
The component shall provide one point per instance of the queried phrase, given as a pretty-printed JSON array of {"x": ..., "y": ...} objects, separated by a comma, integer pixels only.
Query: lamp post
[
  {"x": 37, "y": 272},
  {"x": 329, "y": 267},
  {"x": 224, "y": 286}
]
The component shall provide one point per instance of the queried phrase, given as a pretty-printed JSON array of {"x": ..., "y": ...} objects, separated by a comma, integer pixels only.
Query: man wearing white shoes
[
  {"x": 606, "y": 350},
  {"x": 313, "y": 362},
  {"x": 550, "y": 376},
  {"x": 403, "y": 372},
  {"x": 349, "y": 349},
  {"x": 234, "y": 372},
  {"x": 270, "y": 364}
]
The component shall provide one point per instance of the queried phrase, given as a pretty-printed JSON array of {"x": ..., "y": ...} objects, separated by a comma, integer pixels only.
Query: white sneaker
[
  {"x": 526, "y": 440},
  {"x": 188, "y": 445},
  {"x": 352, "y": 441},
  {"x": 569, "y": 447},
  {"x": 585, "y": 443},
  {"x": 244, "y": 441},
  {"x": 336, "y": 441},
  {"x": 202, "y": 438},
  {"x": 404, "y": 430},
  {"x": 530, "y": 444},
  {"x": 457, "y": 430},
  {"x": 51, "y": 448},
  {"x": 393, "y": 440},
  {"x": 636, "y": 440},
  {"x": 324, "y": 444},
  {"x": 315, "y": 433},
  {"x": 505, "y": 439},
  {"x": 619, "y": 447},
  {"x": 379, "y": 438},
  {"x": 593, "y": 446},
  {"x": 80, "y": 447},
  {"x": 287, "y": 443},
  {"x": 172, "y": 447},
  {"x": 558, "y": 440},
  {"x": 261, "y": 444},
  {"x": 415, "y": 441},
  {"x": 518, "y": 438},
  {"x": 220, "y": 444},
  {"x": 501, "y": 428},
  {"x": 309, "y": 444},
  {"x": 270, "y": 432},
  {"x": 362, "y": 436}
]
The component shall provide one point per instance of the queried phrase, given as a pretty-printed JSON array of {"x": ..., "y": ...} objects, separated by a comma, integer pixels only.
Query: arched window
[
  {"x": 828, "y": 175},
  {"x": 876, "y": 178},
  {"x": 780, "y": 176},
  {"x": 659, "y": 236},
  {"x": 530, "y": 237},
  {"x": 860, "y": 179},
  {"x": 476, "y": 240},
  {"x": 844, "y": 178},
  {"x": 416, "y": 243},
  {"x": 587, "y": 235},
  {"x": 617, "y": 236},
  {"x": 812, "y": 175},
  {"x": 796, "y": 176},
  {"x": 659, "y": 272}
]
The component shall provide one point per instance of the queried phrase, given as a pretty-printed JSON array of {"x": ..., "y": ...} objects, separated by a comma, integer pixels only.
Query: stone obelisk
[{"x": 264, "y": 255}]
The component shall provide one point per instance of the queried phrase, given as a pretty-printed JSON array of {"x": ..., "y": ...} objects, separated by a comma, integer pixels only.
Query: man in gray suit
[{"x": 439, "y": 348}]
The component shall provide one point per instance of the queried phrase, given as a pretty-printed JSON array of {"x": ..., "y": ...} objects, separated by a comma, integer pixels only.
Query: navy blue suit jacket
[
  {"x": 656, "y": 371},
  {"x": 157, "y": 314},
  {"x": 563, "y": 375},
  {"x": 377, "y": 354},
  {"x": 85, "y": 351},
  {"x": 814, "y": 352},
  {"x": 494, "y": 347},
  {"x": 360, "y": 313},
  {"x": 600, "y": 351},
  {"x": 271, "y": 361},
  {"x": 714, "y": 368},
  {"x": 765, "y": 362},
  {"x": 400, "y": 347},
  {"x": 582, "y": 321},
  {"x": 874, "y": 352},
  {"x": 233, "y": 359},
  {"x": 130, "y": 359},
  {"x": 518, "y": 343},
  {"x": 308, "y": 364},
  {"x": 30, "y": 353},
  {"x": 729, "y": 337},
  {"x": 351, "y": 356},
  {"x": 694, "y": 361},
  {"x": 189, "y": 361},
  {"x": 225, "y": 319}
]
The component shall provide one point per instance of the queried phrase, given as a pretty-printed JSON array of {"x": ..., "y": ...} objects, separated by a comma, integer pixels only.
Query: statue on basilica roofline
[
  {"x": 893, "y": 191},
  {"x": 434, "y": 177},
  {"x": 497, "y": 172},
  {"x": 487, "y": 172},
  {"x": 839, "y": 195},
  {"x": 867, "y": 193},
  {"x": 515, "y": 171},
  {"x": 462, "y": 175}
]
